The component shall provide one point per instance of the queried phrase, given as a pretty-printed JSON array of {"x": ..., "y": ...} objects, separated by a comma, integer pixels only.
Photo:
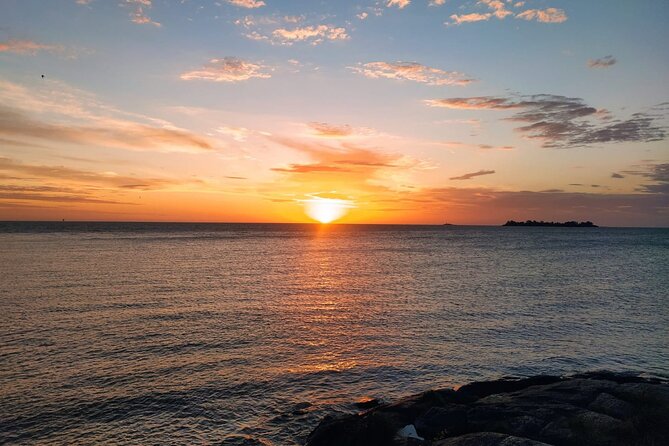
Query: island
[
  {"x": 567, "y": 224},
  {"x": 595, "y": 408}
]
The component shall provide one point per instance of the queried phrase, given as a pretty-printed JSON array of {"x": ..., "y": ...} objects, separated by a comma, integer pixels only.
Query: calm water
[{"x": 210, "y": 334}]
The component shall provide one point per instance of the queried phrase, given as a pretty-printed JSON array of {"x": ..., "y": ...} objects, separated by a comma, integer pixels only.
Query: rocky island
[
  {"x": 594, "y": 409},
  {"x": 567, "y": 224}
]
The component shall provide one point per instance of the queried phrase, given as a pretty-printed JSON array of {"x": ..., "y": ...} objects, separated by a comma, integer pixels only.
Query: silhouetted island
[{"x": 567, "y": 224}]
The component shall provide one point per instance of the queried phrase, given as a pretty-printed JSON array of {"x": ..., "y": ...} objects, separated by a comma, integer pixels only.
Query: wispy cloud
[
  {"x": 111, "y": 133},
  {"x": 283, "y": 30},
  {"x": 83, "y": 177},
  {"x": 462, "y": 145},
  {"x": 562, "y": 122},
  {"x": 458, "y": 19},
  {"x": 469, "y": 176},
  {"x": 228, "y": 69},
  {"x": 401, "y": 4},
  {"x": 498, "y": 9},
  {"x": 658, "y": 174},
  {"x": 412, "y": 71},
  {"x": 27, "y": 47},
  {"x": 312, "y": 34},
  {"x": 138, "y": 14},
  {"x": 604, "y": 62},
  {"x": 53, "y": 114},
  {"x": 548, "y": 15},
  {"x": 249, "y": 4}
]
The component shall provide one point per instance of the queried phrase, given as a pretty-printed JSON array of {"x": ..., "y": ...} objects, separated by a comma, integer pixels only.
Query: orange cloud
[
  {"x": 469, "y": 18},
  {"x": 474, "y": 103},
  {"x": 313, "y": 34},
  {"x": 498, "y": 7},
  {"x": 228, "y": 69},
  {"x": 26, "y": 47},
  {"x": 68, "y": 175},
  {"x": 401, "y": 4},
  {"x": 138, "y": 15},
  {"x": 548, "y": 15},
  {"x": 411, "y": 71},
  {"x": 249, "y": 4},
  {"x": 109, "y": 133}
]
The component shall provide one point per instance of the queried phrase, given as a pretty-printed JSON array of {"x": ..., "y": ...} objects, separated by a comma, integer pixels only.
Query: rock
[
  {"x": 483, "y": 389},
  {"x": 439, "y": 419},
  {"x": 610, "y": 405},
  {"x": 367, "y": 403},
  {"x": 488, "y": 439},
  {"x": 600, "y": 409},
  {"x": 408, "y": 432}
]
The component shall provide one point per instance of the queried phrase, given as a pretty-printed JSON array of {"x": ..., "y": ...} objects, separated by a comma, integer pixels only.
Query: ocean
[{"x": 248, "y": 334}]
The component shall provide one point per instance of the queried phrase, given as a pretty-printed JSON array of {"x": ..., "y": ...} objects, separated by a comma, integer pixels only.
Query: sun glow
[{"x": 326, "y": 210}]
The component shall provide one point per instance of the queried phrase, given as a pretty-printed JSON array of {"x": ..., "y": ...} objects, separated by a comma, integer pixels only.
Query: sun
[{"x": 326, "y": 210}]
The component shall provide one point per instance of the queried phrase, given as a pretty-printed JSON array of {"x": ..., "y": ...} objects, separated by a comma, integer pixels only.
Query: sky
[{"x": 393, "y": 111}]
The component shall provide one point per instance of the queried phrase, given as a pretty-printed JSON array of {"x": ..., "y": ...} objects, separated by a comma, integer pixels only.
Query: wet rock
[
  {"x": 438, "y": 420},
  {"x": 600, "y": 409},
  {"x": 488, "y": 439},
  {"x": 485, "y": 388},
  {"x": 367, "y": 403},
  {"x": 610, "y": 405}
]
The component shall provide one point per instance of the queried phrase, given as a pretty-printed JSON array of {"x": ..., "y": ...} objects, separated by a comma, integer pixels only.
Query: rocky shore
[{"x": 588, "y": 409}]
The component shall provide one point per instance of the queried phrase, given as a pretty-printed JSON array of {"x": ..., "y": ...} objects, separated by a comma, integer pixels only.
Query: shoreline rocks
[{"x": 599, "y": 408}]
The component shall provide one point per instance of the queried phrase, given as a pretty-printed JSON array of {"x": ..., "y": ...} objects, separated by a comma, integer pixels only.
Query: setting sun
[{"x": 326, "y": 210}]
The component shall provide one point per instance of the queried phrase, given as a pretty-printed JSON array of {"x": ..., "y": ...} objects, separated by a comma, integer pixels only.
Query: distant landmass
[{"x": 567, "y": 224}]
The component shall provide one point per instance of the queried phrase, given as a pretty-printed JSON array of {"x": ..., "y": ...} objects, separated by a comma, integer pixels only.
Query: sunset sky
[{"x": 403, "y": 111}]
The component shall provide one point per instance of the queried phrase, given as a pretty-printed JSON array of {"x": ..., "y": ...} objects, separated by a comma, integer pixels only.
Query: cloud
[
  {"x": 498, "y": 7},
  {"x": 27, "y": 47},
  {"x": 249, "y": 4},
  {"x": 228, "y": 69},
  {"x": 457, "y": 144},
  {"x": 658, "y": 174},
  {"x": 84, "y": 2},
  {"x": 239, "y": 134},
  {"x": 88, "y": 178},
  {"x": 617, "y": 175},
  {"x": 350, "y": 169},
  {"x": 138, "y": 15},
  {"x": 469, "y": 176},
  {"x": 401, "y": 4},
  {"x": 468, "y": 18},
  {"x": 281, "y": 30},
  {"x": 560, "y": 121},
  {"x": 310, "y": 168},
  {"x": 548, "y": 15},
  {"x": 604, "y": 62},
  {"x": 437, "y": 2},
  {"x": 312, "y": 34},
  {"x": 108, "y": 133},
  {"x": 492, "y": 206},
  {"x": 362, "y": 15},
  {"x": 411, "y": 71},
  {"x": 474, "y": 103},
  {"x": 330, "y": 130},
  {"x": 499, "y": 11}
]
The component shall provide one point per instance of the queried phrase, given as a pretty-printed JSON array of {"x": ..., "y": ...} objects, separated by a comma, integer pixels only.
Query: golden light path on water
[{"x": 326, "y": 210}]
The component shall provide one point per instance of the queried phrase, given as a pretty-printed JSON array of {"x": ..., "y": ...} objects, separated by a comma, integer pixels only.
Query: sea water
[{"x": 170, "y": 334}]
